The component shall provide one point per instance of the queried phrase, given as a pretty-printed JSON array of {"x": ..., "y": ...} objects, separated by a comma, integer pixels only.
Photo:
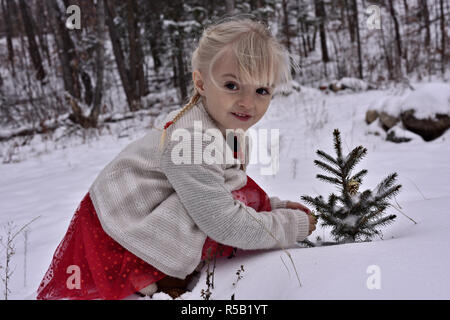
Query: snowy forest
[
  {"x": 80, "y": 80},
  {"x": 125, "y": 54}
]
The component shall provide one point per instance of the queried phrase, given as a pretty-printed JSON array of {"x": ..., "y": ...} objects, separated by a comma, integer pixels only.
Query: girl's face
[{"x": 231, "y": 103}]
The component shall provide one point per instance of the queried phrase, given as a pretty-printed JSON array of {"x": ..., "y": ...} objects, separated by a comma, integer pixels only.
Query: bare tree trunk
[
  {"x": 133, "y": 66},
  {"x": 406, "y": 46},
  {"x": 131, "y": 23},
  {"x": 155, "y": 54},
  {"x": 229, "y": 5},
  {"x": 178, "y": 49},
  {"x": 397, "y": 37},
  {"x": 32, "y": 45},
  {"x": 182, "y": 83},
  {"x": 153, "y": 25},
  {"x": 350, "y": 22},
  {"x": 143, "y": 83},
  {"x": 358, "y": 40},
  {"x": 118, "y": 55},
  {"x": 70, "y": 67},
  {"x": 426, "y": 19},
  {"x": 405, "y": 4},
  {"x": 312, "y": 46},
  {"x": 87, "y": 84},
  {"x": 387, "y": 55},
  {"x": 320, "y": 14},
  {"x": 303, "y": 31},
  {"x": 99, "y": 63},
  {"x": 443, "y": 35},
  {"x": 175, "y": 72},
  {"x": 40, "y": 27},
  {"x": 286, "y": 30},
  {"x": 137, "y": 76},
  {"x": 6, "y": 9},
  {"x": 65, "y": 49}
]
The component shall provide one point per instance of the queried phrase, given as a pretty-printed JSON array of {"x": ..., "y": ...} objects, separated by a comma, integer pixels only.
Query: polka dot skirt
[{"x": 88, "y": 264}]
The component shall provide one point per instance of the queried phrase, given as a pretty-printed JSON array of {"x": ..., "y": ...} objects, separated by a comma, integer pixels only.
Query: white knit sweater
[{"x": 162, "y": 212}]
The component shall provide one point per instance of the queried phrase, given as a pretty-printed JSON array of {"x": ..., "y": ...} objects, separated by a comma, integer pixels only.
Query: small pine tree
[{"x": 352, "y": 215}]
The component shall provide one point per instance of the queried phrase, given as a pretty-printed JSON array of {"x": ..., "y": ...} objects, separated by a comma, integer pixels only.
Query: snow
[
  {"x": 352, "y": 83},
  {"x": 411, "y": 260},
  {"x": 427, "y": 99},
  {"x": 350, "y": 220}
]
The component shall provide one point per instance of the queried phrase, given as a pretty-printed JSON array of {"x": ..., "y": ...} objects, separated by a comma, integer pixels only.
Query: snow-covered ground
[{"x": 411, "y": 261}]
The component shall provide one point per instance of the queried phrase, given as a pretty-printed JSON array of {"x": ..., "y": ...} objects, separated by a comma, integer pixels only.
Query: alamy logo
[
  {"x": 74, "y": 20},
  {"x": 202, "y": 146},
  {"x": 374, "y": 280},
  {"x": 374, "y": 20},
  {"x": 74, "y": 280}
]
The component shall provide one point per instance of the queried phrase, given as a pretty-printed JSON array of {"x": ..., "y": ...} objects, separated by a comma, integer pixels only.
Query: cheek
[
  {"x": 264, "y": 107},
  {"x": 258, "y": 117}
]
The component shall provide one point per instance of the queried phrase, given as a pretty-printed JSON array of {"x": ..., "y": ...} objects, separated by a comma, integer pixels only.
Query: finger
[
  {"x": 299, "y": 206},
  {"x": 303, "y": 208}
]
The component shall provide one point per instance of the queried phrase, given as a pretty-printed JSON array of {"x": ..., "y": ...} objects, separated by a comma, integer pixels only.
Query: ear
[{"x": 199, "y": 83}]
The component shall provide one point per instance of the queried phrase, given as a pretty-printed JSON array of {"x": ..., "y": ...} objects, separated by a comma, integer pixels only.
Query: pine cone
[{"x": 353, "y": 187}]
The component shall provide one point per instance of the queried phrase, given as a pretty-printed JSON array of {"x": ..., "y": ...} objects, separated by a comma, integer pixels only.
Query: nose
[{"x": 246, "y": 99}]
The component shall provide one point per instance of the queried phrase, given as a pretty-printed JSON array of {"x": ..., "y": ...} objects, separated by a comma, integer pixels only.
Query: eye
[
  {"x": 230, "y": 85},
  {"x": 262, "y": 90}
]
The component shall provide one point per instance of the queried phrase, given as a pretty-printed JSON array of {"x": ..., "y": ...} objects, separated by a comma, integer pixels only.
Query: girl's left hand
[{"x": 296, "y": 205}]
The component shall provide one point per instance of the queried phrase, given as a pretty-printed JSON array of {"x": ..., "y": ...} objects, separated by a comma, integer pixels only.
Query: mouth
[{"x": 241, "y": 116}]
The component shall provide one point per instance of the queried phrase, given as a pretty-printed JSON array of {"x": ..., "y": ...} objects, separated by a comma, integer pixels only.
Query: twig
[
  {"x": 24, "y": 228},
  {"x": 395, "y": 198},
  {"x": 285, "y": 266},
  {"x": 403, "y": 213},
  {"x": 10, "y": 251},
  {"x": 278, "y": 241},
  {"x": 425, "y": 198}
]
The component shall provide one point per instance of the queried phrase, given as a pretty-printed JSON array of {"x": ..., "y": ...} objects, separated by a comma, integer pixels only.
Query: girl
[{"x": 149, "y": 219}]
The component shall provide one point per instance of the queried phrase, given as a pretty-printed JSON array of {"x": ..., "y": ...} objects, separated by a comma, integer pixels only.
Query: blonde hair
[{"x": 261, "y": 59}]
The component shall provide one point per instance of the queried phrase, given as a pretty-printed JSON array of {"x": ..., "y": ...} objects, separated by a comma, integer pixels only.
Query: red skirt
[{"x": 89, "y": 264}]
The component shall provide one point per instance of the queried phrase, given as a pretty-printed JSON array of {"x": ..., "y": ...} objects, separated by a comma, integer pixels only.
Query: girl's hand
[
  {"x": 299, "y": 206},
  {"x": 296, "y": 205}
]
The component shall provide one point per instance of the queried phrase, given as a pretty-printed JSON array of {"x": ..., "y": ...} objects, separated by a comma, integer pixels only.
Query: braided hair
[{"x": 192, "y": 102}]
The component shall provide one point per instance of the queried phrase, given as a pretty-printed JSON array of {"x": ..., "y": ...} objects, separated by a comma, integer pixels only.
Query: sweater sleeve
[
  {"x": 202, "y": 191},
  {"x": 276, "y": 203}
]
